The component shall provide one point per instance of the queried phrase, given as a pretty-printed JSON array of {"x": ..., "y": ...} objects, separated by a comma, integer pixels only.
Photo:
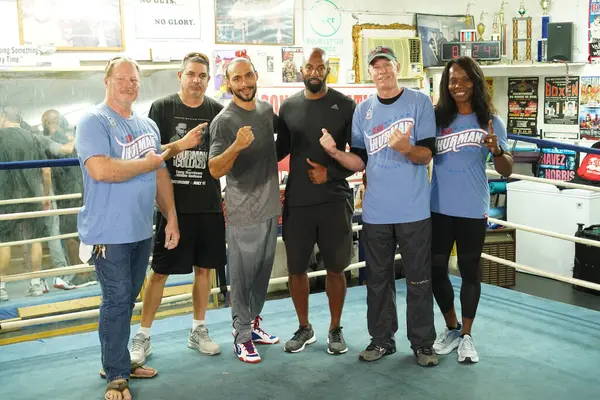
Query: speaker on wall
[{"x": 560, "y": 41}]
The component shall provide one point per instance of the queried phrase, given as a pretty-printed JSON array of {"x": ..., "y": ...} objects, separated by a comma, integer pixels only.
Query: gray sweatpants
[
  {"x": 414, "y": 241},
  {"x": 251, "y": 252}
]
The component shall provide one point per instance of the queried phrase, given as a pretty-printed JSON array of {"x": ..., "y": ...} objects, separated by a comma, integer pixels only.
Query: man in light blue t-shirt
[
  {"x": 123, "y": 174},
  {"x": 393, "y": 134}
]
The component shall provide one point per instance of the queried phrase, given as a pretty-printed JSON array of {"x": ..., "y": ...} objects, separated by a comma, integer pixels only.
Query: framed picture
[
  {"x": 257, "y": 22},
  {"x": 435, "y": 30},
  {"x": 72, "y": 25}
]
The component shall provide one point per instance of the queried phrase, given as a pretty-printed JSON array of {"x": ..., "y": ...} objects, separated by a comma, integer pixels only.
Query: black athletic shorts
[
  {"x": 201, "y": 244},
  {"x": 329, "y": 225}
]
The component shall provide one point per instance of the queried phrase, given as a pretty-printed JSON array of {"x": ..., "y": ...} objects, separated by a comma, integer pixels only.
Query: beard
[
  {"x": 313, "y": 86},
  {"x": 245, "y": 97}
]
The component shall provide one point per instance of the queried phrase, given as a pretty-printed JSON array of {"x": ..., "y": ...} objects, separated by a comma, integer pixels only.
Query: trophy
[
  {"x": 543, "y": 42},
  {"x": 468, "y": 15},
  {"x": 522, "y": 36},
  {"x": 495, "y": 27},
  {"x": 502, "y": 27},
  {"x": 481, "y": 27}
]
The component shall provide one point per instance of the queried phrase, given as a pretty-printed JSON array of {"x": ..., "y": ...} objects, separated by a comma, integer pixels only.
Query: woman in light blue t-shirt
[{"x": 467, "y": 131}]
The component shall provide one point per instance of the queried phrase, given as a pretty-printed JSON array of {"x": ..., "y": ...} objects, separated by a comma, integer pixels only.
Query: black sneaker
[
  {"x": 336, "y": 342},
  {"x": 426, "y": 357},
  {"x": 374, "y": 352},
  {"x": 301, "y": 338}
]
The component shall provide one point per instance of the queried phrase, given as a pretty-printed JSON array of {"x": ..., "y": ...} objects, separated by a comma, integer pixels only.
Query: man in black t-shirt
[
  {"x": 183, "y": 120},
  {"x": 318, "y": 204}
]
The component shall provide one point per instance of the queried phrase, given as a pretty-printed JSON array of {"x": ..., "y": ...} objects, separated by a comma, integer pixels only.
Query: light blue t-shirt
[
  {"x": 459, "y": 185},
  {"x": 116, "y": 213},
  {"x": 397, "y": 190}
]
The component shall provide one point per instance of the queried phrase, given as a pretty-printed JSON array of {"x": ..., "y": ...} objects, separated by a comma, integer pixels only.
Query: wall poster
[
  {"x": 257, "y": 22},
  {"x": 589, "y": 107},
  {"x": 522, "y": 106}
]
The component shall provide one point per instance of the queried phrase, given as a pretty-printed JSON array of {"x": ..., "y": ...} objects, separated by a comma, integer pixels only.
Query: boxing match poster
[
  {"x": 522, "y": 106},
  {"x": 589, "y": 107},
  {"x": 561, "y": 102},
  {"x": 221, "y": 59},
  {"x": 557, "y": 164},
  {"x": 594, "y": 32}
]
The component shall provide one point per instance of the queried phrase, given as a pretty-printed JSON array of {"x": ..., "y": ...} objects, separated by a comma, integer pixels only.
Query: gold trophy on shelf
[
  {"x": 468, "y": 15},
  {"x": 481, "y": 26}
]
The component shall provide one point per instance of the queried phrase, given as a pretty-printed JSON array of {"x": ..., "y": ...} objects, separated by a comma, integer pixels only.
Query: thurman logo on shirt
[
  {"x": 379, "y": 140},
  {"x": 193, "y": 159},
  {"x": 138, "y": 147},
  {"x": 455, "y": 141}
]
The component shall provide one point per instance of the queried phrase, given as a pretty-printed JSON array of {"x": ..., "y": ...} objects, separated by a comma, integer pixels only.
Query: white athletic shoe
[
  {"x": 200, "y": 340},
  {"x": 140, "y": 349},
  {"x": 246, "y": 352},
  {"x": 64, "y": 284},
  {"x": 466, "y": 350},
  {"x": 446, "y": 341}
]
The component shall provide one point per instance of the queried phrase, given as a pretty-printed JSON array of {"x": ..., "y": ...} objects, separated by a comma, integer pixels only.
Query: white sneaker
[
  {"x": 35, "y": 289},
  {"x": 3, "y": 295},
  {"x": 466, "y": 350},
  {"x": 246, "y": 352},
  {"x": 200, "y": 340},
  {"x": 140, "y": 349},
  {"x": 446, "y": 341},
  {"x": 261, "y": 337},
  {"x": 63, "y": 284}
]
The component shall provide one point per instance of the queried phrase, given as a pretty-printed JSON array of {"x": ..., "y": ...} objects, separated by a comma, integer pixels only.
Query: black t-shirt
[
  {"x": 195, "y": 190},
  {"x": 298, "y": 134},
  {"x": 18, "y": 144}
]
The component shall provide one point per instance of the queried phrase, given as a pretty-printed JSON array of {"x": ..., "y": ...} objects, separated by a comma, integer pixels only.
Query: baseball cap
[{"x": 382, "y": 51}]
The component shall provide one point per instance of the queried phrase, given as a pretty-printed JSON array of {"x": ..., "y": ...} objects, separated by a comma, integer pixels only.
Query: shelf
[
  {"x": 20, "y": 72},
  {"x": 520, "y": 69}
]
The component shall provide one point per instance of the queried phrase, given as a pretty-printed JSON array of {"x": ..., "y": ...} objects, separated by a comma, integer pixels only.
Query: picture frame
[
  {"x": 255, "y": 22},
  {"x": 435, "y": 30},
  {"x": 357, "y": 35},
  {"x": 72, "y": 25}
]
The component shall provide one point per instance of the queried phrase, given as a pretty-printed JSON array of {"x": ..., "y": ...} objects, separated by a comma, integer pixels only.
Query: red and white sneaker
[
  {"x": 261, "y": 337},
  {"x": 246, "y": 352}
]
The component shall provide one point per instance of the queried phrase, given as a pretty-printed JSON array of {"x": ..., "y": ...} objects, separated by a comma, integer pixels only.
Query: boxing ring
[{"x": 530, "y": 347}]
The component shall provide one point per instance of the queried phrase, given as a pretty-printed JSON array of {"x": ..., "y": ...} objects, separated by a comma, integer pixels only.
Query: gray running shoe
[
  {"x": 426, "y": 357},
  {"x": 140, "y": 349},
  {"x": 199, "y": 339},
  {"x": 374, "y": 353},
  {"x": 301, "y": 338},
  {"x": 336, "y": 342}
]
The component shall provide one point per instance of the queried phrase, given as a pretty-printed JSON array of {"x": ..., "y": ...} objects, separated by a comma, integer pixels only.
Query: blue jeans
[{"x": 121, "y": 270}]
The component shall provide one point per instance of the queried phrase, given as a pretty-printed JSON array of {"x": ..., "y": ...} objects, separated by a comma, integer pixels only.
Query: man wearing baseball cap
[{"x": 393, "y": 136}]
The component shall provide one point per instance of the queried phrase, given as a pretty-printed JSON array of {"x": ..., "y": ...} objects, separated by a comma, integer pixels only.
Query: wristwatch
[{"x": 501, "y": 152}]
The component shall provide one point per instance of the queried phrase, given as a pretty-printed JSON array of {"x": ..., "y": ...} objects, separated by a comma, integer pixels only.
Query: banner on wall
[
  {"x": 594, "y": 31},
  {"x": 522, "y": 106},
  {"x": 589, "y": 107},
  {"x": 322, "y": 26},
  {"x": 557, "y": 164},
  {"x": 167, "y": 19},
  {"x": 277, "y": 94},
  {"x": 561, "y": 102}
]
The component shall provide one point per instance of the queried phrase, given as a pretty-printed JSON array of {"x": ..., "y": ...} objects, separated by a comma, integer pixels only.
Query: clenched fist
[
  {"x": 244, "y": 138},
  {"x": 328, "y": 143},
  {"x": 400, "y": 141},
  {"x": 154, "y": 160}
]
